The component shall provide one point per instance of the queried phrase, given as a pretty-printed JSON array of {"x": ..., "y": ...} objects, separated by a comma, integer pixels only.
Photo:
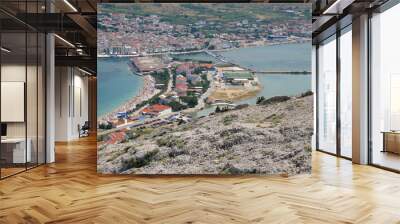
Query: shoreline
[
  {"x": 251, "y": 45},
  {"x": 229, "y": 94},
  {"x": 146, "y": 92},
  {"x": 204, "y": 50}
]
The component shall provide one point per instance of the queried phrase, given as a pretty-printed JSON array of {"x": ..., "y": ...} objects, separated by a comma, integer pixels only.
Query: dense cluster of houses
[
  {"x": 186, "y": 75},
  {"x": 122, "y": 34}
]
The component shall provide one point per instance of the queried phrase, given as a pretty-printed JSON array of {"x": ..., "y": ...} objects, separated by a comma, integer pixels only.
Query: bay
[
  {"x": 281, "y": 57},
  {"x": 116, "y": 84}
]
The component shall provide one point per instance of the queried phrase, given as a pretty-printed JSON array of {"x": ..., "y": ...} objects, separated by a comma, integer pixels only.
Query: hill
[
  {"x": 261, "y": 139},
  {"x": 186, "y": 13}
]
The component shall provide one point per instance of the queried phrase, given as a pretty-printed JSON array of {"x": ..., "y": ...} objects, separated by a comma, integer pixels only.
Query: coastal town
[
  {"x": 206, "y": 88},
  {"x": 175, "y": 88},
  {"x": 145, "y": 34}
]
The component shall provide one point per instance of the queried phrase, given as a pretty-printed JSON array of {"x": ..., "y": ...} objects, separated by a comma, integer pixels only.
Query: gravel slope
[{"x": 260, "y": 139}]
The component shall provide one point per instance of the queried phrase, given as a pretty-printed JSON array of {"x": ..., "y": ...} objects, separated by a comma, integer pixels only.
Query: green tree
[
  {"x": 260, "y": 99},
  {"x": 176, "y": 106},
  {"x": 191, "y": 101}
]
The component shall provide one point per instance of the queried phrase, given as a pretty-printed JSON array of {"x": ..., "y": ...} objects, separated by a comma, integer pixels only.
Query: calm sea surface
[
  {"x": 116, "y": 84},
  {"x": 285, "y": 57}
]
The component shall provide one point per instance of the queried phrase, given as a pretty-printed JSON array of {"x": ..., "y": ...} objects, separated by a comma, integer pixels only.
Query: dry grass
[{"x": 233, "y": 94}]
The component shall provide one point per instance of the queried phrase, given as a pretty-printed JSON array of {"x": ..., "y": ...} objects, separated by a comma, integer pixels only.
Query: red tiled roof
[
  {"x": 181, "y": 86},
  {"x": 184, "y": 67},
  {"x": 116, "y": 137},
  {"x": 208, "y": 65},
  {"x": 181, "y": 78},
  {"x": 156, "y": 108}
]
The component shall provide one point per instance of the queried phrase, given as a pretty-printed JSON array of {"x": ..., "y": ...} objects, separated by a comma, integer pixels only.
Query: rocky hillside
[{"x": 271, "y": 138}]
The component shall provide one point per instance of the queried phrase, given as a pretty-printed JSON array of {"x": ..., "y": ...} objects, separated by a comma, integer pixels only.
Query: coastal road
[
  {"x": 135, "y": 124},
  {"x": 170, "y": 83},
  {"x": 203, "y": 96}
]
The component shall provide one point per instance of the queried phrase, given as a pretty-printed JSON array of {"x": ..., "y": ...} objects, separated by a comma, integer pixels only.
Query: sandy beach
[{"x": 148, "y": 91}]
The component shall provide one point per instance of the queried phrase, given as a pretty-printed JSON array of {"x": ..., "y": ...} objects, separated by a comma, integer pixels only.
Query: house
[
  {"x": 122, "y": 115},
  {"x": 208, "y": 66},
  {"x": 238, "y": 77},
  {"x": 181, "y": 85},
  {"x": 181, "y": 89},
  {"x": 181, "y": 79},
  {"x": 194, "y": 79},
  {"x": 185, "y": 67},
  {"x": 156, "y": 110}
]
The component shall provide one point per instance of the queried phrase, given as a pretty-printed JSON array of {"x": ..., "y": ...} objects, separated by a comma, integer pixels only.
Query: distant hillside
[
  {"x": 187, "y": 13},
  {"x": 262, "y": 139}
]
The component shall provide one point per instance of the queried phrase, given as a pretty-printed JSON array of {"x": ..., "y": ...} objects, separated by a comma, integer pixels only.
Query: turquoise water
[
  {"x": 116, "y": 84},
  {"x": 281, "y": 84},
  {"x": 274, "y": 85},
  {"x": 284, "y": 57}
]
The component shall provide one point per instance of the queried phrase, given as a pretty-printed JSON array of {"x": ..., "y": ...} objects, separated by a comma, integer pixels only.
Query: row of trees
[{"x": 161, "y": 77}]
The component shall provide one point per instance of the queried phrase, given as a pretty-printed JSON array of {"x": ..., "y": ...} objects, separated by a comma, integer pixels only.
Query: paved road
[{"x": 204, "y": 96}]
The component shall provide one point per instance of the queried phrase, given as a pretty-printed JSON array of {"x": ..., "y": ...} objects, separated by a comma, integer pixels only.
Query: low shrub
[
  {"x": 229, "y": 119},
  {"x": 307, "y": 93},
  {"x": 137, "y": 162},
  {"x": 275, "y": 99}
]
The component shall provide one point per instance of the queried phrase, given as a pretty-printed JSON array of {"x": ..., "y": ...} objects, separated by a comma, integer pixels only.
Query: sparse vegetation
[
  {"x": 221, "y": 109},
  {"x": 161, "y": 77},
  {"x": 229, "y": 132},
  {"x": 275, "y": 99},
  {"x": 232, "y": 170},
  {"x": 122, "y": 152},
  {"x": 170, "y": 141},
  {"x": 260, "y": 99},
  {"x": 144, "y": 131},
  {"x": 130, "y": 135},
  {"x": 227, "y": 120},
  {"x": 102, "y": 138},
  {"x": 275, "y": 119},
  {"x": 276, "y": 142},
  {"x": 105, "y": 126},
  {"x": 176, "y": 106},
  {"x": 308, "y": 93},
  {"x": 137, "y": 162},
  {"x": 231, "y": 141},
  {"x": 308, "y": 148},
  {"x": 175, "y": 152},
  {"x": 190, "y": 100}
]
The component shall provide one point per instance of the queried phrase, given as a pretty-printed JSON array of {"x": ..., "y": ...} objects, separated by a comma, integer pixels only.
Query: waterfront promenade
[{"x": 222, "y": 59}]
